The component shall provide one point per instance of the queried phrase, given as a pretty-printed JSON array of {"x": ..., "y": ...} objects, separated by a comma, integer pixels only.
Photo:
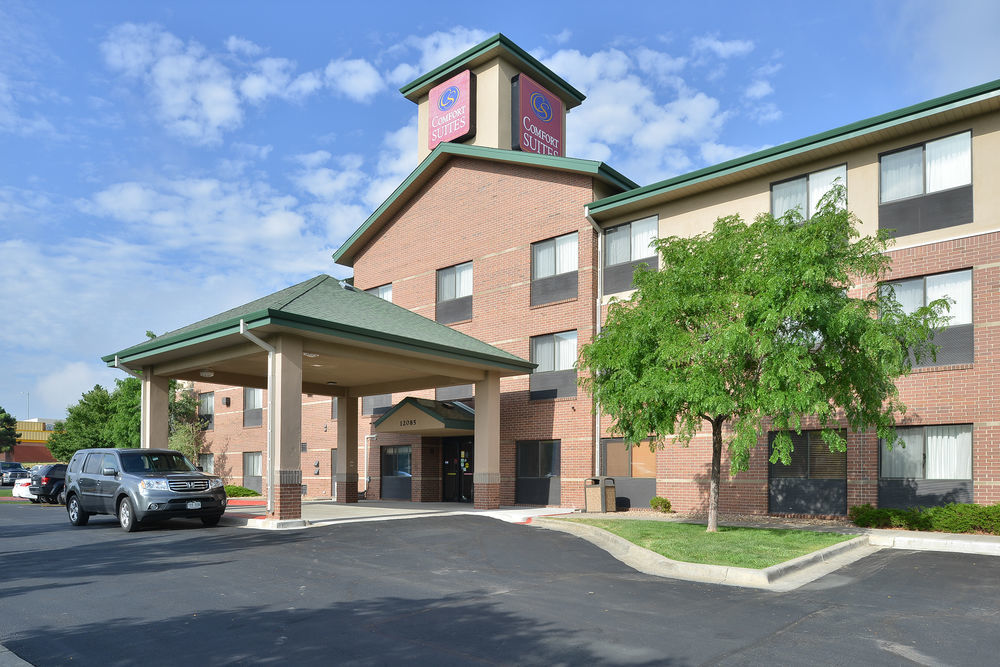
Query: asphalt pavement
[{"x": 450, "y": 590}]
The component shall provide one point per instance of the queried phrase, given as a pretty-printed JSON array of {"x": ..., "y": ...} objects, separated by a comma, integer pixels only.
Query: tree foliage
[
  {"x": 753, "y": 326},
  {"x": 8, "y": 431},
  {"x": 103, "y": 419}
]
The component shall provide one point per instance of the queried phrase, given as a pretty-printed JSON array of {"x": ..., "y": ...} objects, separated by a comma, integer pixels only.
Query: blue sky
[{"x": 162, "y": 162}]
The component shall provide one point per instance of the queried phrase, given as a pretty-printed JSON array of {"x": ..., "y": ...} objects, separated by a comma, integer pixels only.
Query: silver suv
[{"x": 140, "y": 485}]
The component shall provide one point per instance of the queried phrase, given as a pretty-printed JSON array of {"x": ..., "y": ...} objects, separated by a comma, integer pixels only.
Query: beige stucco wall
[{"x": 696, "y": 213}]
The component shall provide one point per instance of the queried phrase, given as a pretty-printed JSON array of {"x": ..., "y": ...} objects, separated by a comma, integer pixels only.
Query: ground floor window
[
  {"x": 929, "y": 452},
  {"x": 207, "y": 462},
  {"x": 814, "y": 482},
  {"x": 252, "y": 471},
  {"x": 538, "y": 463},
  {"x": 396, "y": 472},
  {"x": 633, "y": 469}
]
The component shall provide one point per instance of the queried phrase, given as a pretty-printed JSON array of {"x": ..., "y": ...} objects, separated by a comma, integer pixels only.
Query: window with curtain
[
  {"x": 935, "y": 166},
  {"x": 253, "y": 407},
  {"x": 805, "y": 192},
  {"x": 454, "y": 282},
  {"x": 554, "y": 352},
  {"x": 554, "y": 256},
  {"x": 955, "y": 342},
  {"x": 621, "y": 461},
  {"x": 206, "y": 410},
  {"x": 630, "y": 242},
  {"x": 382, "y": 292},
  {"x": 929, "y": 452}
]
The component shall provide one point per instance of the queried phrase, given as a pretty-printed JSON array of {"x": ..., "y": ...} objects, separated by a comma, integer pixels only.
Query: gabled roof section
[
  {"x": 445, "y": 151},
  {"x": 451, "y": 414},
  {"x": 326, "y": 305},
  {"x": 648, "y": 193},
  {"x": 498, "y": 44}
]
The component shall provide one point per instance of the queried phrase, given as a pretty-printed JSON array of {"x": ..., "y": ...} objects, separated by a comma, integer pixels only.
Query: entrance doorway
[{"x": 457, "y": 469}]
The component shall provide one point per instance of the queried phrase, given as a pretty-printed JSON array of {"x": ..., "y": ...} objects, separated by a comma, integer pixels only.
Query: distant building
[{"x": 32, "y": 442}]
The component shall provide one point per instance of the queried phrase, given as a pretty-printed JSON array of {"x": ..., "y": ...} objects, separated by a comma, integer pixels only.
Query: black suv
[
  {"x": 47, "y": 481},
  {"x": 139, "y": 485}
]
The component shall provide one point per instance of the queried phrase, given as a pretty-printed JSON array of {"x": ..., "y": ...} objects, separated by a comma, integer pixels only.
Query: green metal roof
[
  {"x": 498, "y": 42},
  {"x": 858, "y": 128},
  {"x": 451, "y": 414},
  {"x": 324, "y": 305},
  {"x": 345, "y": 253}
]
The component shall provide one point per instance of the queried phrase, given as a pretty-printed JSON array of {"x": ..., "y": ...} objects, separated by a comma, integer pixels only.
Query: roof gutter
[
  {"x": 270, "y": 410},
  {"x": 131, "y": 371}
]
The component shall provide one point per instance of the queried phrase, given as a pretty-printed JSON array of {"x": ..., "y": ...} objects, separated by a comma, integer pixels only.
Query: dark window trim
[
  {"x": 632, "y": 260},
  {"x": 971, "y": 326},
  {"x": 531, "y": 249},
  {"x": 805, "y": 213},
  {"x": 556, "y": 457},
  {"x": 206, "y": 421},
  {"x": 923, "y": 171}
]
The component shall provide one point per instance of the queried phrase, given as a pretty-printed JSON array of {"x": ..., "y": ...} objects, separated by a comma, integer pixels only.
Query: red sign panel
[
  {"x": 538, "y": 119},
  {"x": 452, "y": 109}
]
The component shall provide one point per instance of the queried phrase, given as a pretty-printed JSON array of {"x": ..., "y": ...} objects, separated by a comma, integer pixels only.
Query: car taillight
[{"x": 45, "y": 480}]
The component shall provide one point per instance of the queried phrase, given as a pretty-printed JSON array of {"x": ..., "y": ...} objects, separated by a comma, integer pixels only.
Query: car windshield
[{"x": 140, "y": 463}]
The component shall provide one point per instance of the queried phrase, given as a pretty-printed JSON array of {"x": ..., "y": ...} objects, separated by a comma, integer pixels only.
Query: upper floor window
[
  {"x": 253, "y": 406},
  {"x": 554, "y": 269},
  {"x": 625, "y": 247},
  {"x": 555, "y": 355},
  {"x": 376, "y": 405},
  {"x": 382, "y": 292},
  {"x": 333, "y": 408},
  {"x": 206, "y": 410},
  {"x": 926, "y": 187},
  {"x": 805, "y": 192},
  {"x": 955, "y": 342},
  {"x": 454, "y": 293}
]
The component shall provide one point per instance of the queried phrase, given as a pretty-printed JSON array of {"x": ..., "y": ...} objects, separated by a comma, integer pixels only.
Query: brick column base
[
  {"x": 287, "y": 502},
  {"x": 347, "y": 491},
  {"x": 486, "y": 495}
]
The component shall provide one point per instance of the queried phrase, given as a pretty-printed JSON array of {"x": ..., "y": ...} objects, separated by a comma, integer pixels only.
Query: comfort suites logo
[
  {"x": 451, "y": 112},
  {"x": 540, "y": 105},
  {"x": 537, "y": 118}
]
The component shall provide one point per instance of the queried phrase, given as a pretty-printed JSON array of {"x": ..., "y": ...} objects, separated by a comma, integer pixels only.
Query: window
[
  {"x": 929, "y": 452},
  {"x": 303, "y": 446},
  {"x": 376, "y": 405},
  {"x": 928, "y": 186},
  {"x": 396, "y": 461},
  {"x": 625, "y": 247},
  {"x": 333, "y": 408},
  {"x": 93, "y": 464},
  {"x": 621, "y": 461},
  {"x": 454, "y": 294},
  {"x": 207, "y": 462},
  {"x": 252, "y": 464},
  {"x": 555, "y": 376},
  {"x": 538, "y": 458},
  {"x": 253, "y": 407},
  {"x": 804, "y": 193},
  {"x": 554, "y": 269},
  {"x": 382, "y": 292},
  {"x": 955, "y": 342},
  {"x": 811, "y": 459},
  {"x": 456, "y": 393},
  {"x": 206, "y": 410}
]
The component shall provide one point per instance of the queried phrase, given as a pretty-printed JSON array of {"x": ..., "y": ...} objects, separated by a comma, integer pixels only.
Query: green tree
[
  {"x": 86, "y": 425},
  {"x": 8, "y": 431},
  {"x": 124, "y": 426},
  {"x": 750, "y": 326}
]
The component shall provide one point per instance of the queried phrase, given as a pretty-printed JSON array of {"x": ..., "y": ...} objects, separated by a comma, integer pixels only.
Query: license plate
[{"x": 194, "y": 505}]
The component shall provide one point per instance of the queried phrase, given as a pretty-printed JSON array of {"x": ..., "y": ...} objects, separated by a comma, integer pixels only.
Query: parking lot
[{"x": 454, "y": 590}]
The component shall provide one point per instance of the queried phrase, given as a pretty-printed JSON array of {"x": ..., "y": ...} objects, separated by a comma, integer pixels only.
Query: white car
[{"x": 21, "y": 490}]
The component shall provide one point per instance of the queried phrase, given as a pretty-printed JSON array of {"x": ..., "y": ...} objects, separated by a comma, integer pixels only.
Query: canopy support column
[
  {"x": 287, "y": 465},
  {"x": 347, "y": 449},
  {"x": 155, "y": 403},
  {"x": 486, "y": 480}
]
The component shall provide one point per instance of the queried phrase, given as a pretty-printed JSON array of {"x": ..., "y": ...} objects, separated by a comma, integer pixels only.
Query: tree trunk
[{"x": 713, "y": 488}]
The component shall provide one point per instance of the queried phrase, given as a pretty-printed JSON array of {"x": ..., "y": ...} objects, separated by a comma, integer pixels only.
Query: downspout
[
  {"x": 597, "y": 332},
  {"x": 131, "y": 371},
  {"x": 367, "y": 438},
  {"x": 270, "y": 410}
]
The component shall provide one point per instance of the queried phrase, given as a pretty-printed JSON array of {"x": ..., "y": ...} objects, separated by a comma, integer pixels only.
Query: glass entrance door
[{"x": 457, "y": 469}]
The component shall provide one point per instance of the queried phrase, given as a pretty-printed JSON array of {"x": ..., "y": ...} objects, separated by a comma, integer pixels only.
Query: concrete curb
[
  {"x": 781, "y": 577},
  {"x": 9, "y": 659},
  {"x": 980, "y": 545}
]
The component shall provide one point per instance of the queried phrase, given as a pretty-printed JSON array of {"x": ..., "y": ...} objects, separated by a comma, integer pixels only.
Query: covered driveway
[{"x": 324, "y": 337}]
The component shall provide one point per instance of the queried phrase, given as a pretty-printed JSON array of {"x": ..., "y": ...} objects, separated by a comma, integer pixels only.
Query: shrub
[
  {"x": 659, "y": 504},
  {"x": 951, "y": 518},
  {"x": 234, "y": 491}
]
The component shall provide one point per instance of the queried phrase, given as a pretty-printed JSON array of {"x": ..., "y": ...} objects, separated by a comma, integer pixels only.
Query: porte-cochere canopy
[{"x": 323, "y": 337}]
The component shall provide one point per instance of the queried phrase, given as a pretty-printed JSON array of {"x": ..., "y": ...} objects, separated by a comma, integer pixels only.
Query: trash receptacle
[{"x": 599, "y": 494}]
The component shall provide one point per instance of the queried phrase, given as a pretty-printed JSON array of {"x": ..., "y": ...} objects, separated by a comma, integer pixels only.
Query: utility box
[{"x": 599, "y": 494}]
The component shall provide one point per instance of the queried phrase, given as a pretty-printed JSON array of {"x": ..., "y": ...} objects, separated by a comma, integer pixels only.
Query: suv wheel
[
  {"x": 210, "y": 521},
  {"x": 126, "y": 516},
  {"x": 77, "y": 516}
]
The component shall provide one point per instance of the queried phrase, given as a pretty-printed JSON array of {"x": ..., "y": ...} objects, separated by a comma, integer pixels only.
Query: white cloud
[
  {"x": 270, "y": 78},
  {"x": 314, "y": 159},
  {"x": 562, "y": 37},
  {"x": 766, "y": 113},
  {"x": 758, "y": 89},
  {"x": 11, "y": 119},
  {"x": 356, "y": 79},
  {"x": 241, "y": 46},
  {"x": 62, "y": 387},
  {"x": 722, "y": 49},
  {"x": 397, "y": 158},
  {"x": 432, "y": 50},
  {"x": 332, "y": 184}
]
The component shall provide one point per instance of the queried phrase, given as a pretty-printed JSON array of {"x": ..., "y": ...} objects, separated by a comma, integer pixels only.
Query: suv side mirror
[{"x": 109, "y": 472}]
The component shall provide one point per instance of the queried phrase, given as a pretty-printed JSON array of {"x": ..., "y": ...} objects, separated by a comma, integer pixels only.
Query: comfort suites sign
[
  {"x": 538, "y": 119},
  {"x": 452, "y": 110}
]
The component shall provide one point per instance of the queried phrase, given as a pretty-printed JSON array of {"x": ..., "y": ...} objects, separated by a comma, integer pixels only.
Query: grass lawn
[
  {"x": 4, "y": 491},
  {"x": 755, "y": 548}
]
